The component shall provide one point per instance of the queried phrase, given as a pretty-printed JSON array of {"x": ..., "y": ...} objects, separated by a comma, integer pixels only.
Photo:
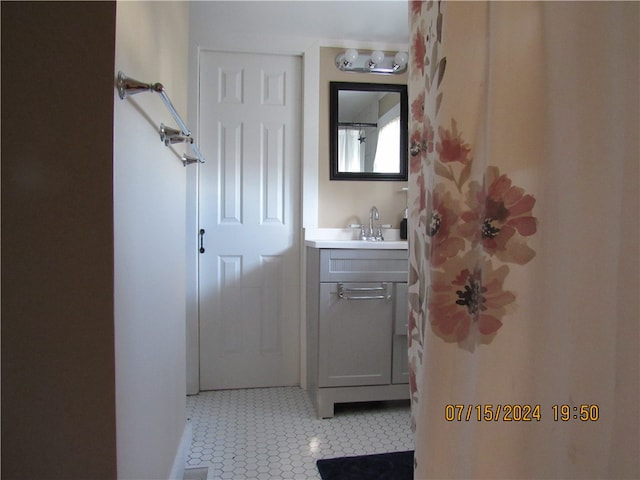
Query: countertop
[
  {"x": 383, "y": 245},
  {"x": 344, "y": 238}
]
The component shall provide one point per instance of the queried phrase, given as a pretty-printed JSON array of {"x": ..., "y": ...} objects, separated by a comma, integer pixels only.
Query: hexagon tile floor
[{"x": 273, "y": 433}]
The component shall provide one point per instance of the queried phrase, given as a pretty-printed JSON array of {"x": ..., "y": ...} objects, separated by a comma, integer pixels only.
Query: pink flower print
[
  {"x": 422, "y": 193},
  {"x": 467, "y": 301},
  {"x": 416, "y": 7},
  {"x": 419, "y": 52},
  {"x": 442, "y": 217},
  {"x": 500, "y": 218},
  {"x": 451, "y": 146},
  {"x": 417, "y": 108}
]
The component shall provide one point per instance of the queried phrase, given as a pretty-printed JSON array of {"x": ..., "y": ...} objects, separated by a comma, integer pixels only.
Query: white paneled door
[{"x": 249, "y": 209}]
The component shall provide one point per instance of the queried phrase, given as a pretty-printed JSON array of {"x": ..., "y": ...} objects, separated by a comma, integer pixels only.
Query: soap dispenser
[{"x": 403, "y": 225}]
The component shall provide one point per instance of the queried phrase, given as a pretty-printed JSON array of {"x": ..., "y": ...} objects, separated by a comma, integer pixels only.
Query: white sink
[{"x": 383, "y": 245}]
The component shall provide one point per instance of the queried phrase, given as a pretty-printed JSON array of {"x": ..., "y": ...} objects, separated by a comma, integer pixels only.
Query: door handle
[{"x": 201, "y": 240}]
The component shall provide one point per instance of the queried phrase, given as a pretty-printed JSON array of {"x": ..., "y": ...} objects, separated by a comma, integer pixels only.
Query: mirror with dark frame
[{"x": 368, "y": 131}]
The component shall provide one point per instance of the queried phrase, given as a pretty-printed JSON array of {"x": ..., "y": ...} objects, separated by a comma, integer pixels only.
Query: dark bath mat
[{"x": 382, "y": 466}]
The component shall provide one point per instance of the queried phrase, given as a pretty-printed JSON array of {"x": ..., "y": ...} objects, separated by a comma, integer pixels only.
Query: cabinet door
[
  {"x": 400, "y": 338},
  {"x": 355, "y": 334}
]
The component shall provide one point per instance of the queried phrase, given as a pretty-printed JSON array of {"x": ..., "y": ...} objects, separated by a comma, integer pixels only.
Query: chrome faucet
[
  {"x": 373, "y": 215},
  {"x": 373, "y": 232}
]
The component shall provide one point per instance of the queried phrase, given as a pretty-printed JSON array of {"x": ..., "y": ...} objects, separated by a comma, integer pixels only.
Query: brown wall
[{"x": 58, "y": 390}]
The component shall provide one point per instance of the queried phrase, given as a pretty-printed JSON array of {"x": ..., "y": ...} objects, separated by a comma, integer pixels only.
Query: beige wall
[
  {"x": 149, "y": 227},
  {"x": 58, "y": 390},
  {"x": 343, "y": 202}
]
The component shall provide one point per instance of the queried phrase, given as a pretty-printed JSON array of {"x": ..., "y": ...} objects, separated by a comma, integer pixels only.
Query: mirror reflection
[{"x": 368, "y": 131}]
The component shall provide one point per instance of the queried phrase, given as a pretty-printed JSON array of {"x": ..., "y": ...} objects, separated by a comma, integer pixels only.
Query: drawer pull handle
[
  {"x": 344, "y": 293},
  {"x": 372, "y": 297}
]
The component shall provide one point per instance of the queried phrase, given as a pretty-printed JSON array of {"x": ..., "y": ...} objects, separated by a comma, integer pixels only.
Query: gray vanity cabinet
[{"x": 356, "y": 318}]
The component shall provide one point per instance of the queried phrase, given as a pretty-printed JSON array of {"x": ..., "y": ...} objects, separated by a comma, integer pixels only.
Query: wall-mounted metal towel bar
[{"x": 128, "y": 86}]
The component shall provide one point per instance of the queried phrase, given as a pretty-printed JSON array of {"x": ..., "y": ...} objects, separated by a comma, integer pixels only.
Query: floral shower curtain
[{"x": 523, "y": 231}]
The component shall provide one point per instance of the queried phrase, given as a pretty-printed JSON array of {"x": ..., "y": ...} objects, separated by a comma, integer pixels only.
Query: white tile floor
[{"x": 273, "y": 433}]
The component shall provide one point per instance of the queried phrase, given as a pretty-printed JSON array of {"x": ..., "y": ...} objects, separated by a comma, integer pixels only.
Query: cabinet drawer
[{"x": 344, "y": 265}]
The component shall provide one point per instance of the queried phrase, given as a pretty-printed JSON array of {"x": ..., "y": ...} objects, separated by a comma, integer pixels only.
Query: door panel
[
  {"x": 250, "y": 116},
  {"x": 355, "y": 336},
  {"x": 400, "y": 372}
]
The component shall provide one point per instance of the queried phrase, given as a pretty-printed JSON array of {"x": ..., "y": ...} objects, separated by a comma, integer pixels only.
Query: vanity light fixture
[{"x": 373, "y": 62}]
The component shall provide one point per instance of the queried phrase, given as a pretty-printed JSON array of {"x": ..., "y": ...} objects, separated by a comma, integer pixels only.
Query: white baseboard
[{"x": 177, "y": 471}]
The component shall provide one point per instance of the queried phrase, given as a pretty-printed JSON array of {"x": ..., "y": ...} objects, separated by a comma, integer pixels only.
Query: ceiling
[{"x": 364, "y": 20}]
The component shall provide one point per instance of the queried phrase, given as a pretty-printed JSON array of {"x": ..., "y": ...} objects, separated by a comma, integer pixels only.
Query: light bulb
[
  {"x": 351, "y": 55},
  {"x": 346, "y": 59},
  {"x": 400, "y": 60},
  {"x": 376, "y": 57}
]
